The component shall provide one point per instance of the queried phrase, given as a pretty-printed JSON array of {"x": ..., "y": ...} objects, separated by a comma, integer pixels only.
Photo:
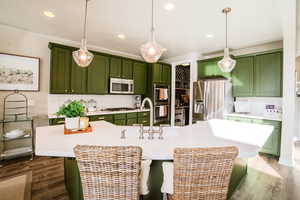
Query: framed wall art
[{"x": 19, "y": 72}]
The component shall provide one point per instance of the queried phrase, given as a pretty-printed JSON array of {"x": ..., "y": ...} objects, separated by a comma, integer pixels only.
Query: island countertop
[{"x": 249, "y": 138}]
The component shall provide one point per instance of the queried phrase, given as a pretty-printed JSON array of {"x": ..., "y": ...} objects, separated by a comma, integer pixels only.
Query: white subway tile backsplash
[{"x": 103, "y": 101}]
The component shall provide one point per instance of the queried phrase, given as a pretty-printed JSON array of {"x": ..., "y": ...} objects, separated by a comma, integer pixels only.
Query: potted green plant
[{"x": 72, "y": 112}]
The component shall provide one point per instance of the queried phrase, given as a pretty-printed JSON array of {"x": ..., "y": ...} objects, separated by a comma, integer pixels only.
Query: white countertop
[
  {"x": 102, "y": 112},
  {"x": 249, "y": 138},
  {"x": 276, "y": 117}
]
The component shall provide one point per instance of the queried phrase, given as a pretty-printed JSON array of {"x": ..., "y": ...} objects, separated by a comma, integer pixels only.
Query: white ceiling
[{"x": 181, "y": 31}]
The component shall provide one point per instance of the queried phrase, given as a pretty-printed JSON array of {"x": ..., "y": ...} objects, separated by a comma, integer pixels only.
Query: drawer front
[
  {"x": 143, "y": 114},
  {"x": 120, "y": 122},
  {"x": 131, "y": 121},
  {"x": 267, "y": 122},
  {"x": 239, "y": 119},
  {"x": 145, "y": 121},
  {"x": 56, "y": 121},
  {"x": 120, "y": 116},
  {"x": 131, "y": 115},
  {"x": 108, "y": 118}
]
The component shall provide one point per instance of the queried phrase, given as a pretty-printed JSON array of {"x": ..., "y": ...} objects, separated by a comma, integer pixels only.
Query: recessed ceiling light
[
  {"x": 209, "y": 35},
  {"x": 49, "y": 14},
  {"x": 121, "y": 36},
  {"x": 169, "y": 6}
]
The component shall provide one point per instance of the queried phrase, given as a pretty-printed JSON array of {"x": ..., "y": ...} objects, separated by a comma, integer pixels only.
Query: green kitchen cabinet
[
  {"x": 98, "y": 75},
  {"x": 242, "y": 77},
  {"x": 56, "y": 121},
  {"x": 210, "y": 68},
  {"x": 272, "y": 145},
  {"x": 78, "y": 79},
  {"x": 157, "y": 73},
  {"x": 120, "y": 122},
  {"x": 166, "y": 74},
  {"x": 127, "y": 69},
  {"x": 140, "y": 77},
  {"x": 60, "y": 71},
  {"x": 268, "y": 75},
  {"x": 115, "y": 67},
  {"x": 131, "y": 121},
  {"x": 161, "y": 73},
  {"x": 108, "y": 118}
]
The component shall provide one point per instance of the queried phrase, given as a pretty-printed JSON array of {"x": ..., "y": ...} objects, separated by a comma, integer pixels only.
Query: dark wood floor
[
  {"x": 266, "y": 179},
  {"x": 47, "y": 177}
]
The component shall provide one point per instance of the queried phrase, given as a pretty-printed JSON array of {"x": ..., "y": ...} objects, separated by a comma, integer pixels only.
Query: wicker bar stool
[
  {"x": 109, "y": 173},
  {"x": 202, "y": 173}
]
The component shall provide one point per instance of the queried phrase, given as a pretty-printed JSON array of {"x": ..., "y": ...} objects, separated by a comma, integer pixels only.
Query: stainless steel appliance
[
  {"x": 211, "y": 98},
  {"x": 161, "y": 97},
  {"x": 121, "y": 86}
]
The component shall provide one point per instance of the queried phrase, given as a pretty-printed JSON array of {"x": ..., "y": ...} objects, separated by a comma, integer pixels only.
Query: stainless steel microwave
[{"x": 121, "y": 86}]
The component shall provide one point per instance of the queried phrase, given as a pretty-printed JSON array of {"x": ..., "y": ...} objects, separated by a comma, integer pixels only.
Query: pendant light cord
[
  {"x": 85, "y": 17},
  {"x": 226, "y": 30},
  {"x": 152, "y": 21}
]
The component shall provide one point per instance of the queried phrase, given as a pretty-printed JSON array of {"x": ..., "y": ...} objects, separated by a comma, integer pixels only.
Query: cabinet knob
[
  {"x": 66, "y": 90},
  {"x": 72, "y": 91}
]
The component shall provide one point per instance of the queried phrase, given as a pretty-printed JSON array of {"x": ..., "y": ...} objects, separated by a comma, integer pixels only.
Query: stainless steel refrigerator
[{"x": 212, "y": 98}]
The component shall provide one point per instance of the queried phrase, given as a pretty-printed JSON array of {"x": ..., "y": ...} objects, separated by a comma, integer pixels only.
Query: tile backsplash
[
  {"x": 103, "y": 101},
  {"x": 258, "y": 105}
]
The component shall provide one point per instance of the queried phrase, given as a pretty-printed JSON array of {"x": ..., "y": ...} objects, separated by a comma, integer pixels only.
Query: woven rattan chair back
[
  {"x": 109, "y": 173},
  {"x": 202, "y": 173}
]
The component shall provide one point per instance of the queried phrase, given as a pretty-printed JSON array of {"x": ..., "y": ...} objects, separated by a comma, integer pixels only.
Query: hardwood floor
[
  {"x": 266, "y": 179},
  {"x": 47, "y": 177}
]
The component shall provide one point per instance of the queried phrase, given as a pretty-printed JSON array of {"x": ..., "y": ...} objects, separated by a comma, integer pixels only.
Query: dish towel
[
  {"x": 166, "y": 94},
  {"x": 144, "y": 176},
  {"x": 167, "y": 186},
  {"x": 161, "y": 111}
]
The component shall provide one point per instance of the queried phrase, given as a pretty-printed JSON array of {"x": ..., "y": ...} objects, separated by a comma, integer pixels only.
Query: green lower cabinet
[
  {"x": 131, "y": 121},
  {"x": 74, "y": 186},
  {"x": 56, "y": 121},
  {"x": 108, "y": 118},
  {"x": 120, "y": 122},
  {"x": 144, "y": 120},
  {"x": 272, "y": 145}
]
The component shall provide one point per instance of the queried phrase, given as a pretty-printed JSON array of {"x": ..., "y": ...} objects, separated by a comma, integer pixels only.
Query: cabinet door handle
[
  {"x": 60, "y": 122},
  {"x": 101, "y": 118},
  {"x": 145, "y": 121}
]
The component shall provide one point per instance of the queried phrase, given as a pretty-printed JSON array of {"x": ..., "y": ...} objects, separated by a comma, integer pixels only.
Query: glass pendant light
[
  {"x": 82, "y": 56},
  {"x": 227, "y": 64},
  {"x": 152, "y": 51}
]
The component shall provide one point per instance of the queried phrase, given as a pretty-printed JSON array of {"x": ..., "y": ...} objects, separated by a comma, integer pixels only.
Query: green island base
[{"x": 73, "y": 183}]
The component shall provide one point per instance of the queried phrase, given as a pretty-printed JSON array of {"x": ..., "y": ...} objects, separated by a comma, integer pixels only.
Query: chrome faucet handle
[
  {"x": 141, "y": 137},
  {"x": 123, "y": 132}
]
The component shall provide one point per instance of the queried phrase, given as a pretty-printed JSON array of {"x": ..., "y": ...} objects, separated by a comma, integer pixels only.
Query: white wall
[
  {"x": 21, "y": 42},
  {"x": 298, "y": 27}
]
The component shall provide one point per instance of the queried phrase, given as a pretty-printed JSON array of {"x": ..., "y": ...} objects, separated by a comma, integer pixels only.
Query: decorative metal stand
[{"x": 15, "y": 117}]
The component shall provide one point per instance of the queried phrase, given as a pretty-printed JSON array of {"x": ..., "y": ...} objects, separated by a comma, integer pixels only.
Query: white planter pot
[{"x": 72, "y": 123}]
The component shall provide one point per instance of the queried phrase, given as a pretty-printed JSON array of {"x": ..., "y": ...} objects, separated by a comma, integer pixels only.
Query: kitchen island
[{"x": 248, "y": 138}]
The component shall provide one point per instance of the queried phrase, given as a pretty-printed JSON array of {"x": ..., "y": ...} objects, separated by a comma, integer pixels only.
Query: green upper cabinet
[
  {"x": 140, "y": 77},
  {"x": 242, "y": 77},
  {"x": 157, "y": 72},
  {"x": 166, "y": 74},
  {"x": 98, "y": 75},
  {"x": 78, "y": 79},
  {"x": 210, "y": 68},
  {"x": 161, "y": 73},
  {"x": 127, "y": 69},
  {"x": 268, "y": 75},
  {"x": 115, "y": 67},
  {"x": 61, "y": 59}
]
